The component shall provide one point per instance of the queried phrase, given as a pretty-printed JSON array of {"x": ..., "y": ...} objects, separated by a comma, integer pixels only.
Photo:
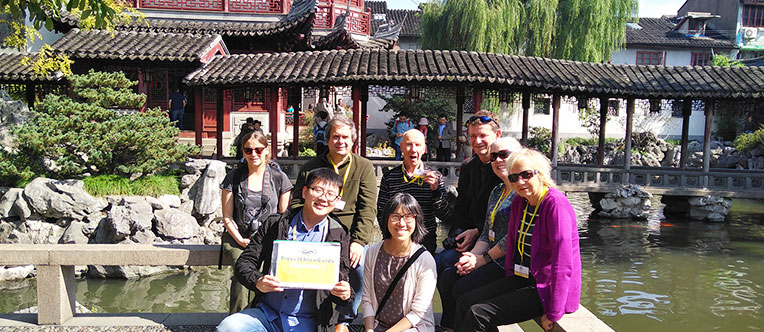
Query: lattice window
[
  {"x": 701, "y": 59},
  {"x": 205, "y": 5},
  {"x": 359, "y": 22},
  {"x": 256, "y": 6},
  {"x": 209, "y": 95},
  {"x": 249, "y": 95},
  {"x": 753, "y": 16},
  {"x": 650, "y": 58},
  {"x": 323, "y": 17},
  {"x": 613, "y": 107},
  {"x": 542, "y": 105}
]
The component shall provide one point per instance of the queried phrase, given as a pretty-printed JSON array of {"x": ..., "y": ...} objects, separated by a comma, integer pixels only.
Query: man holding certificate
[{"x": 306, "y": 239}]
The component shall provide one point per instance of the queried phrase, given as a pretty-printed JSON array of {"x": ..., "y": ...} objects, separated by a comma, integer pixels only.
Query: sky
[{"x": 647, "y": 8}]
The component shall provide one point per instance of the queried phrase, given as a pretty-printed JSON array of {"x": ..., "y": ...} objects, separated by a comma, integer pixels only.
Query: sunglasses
[
  {"x": 525, "y": 175},
  {"x": 482, "y": 119},
  {"x": 503, "y": 154},
  {"x": 256, "y": 150}
]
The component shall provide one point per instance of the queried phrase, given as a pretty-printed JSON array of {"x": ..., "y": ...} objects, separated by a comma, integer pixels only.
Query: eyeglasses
[
  {"x": 406, "y": 217},
  {"x": 503, "y": 154},
  {"x": 525, "y": 175},
  {"x": 256, "y": 150},
  {"x": 482, "y": 119},
  {"x": 330, "y": 195}
]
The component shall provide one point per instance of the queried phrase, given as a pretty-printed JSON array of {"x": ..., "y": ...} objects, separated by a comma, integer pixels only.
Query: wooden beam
[
  {"x": 477, "y": 98},
  {"x": 686, "y": 112},
  {"x": 526, "y": 116},
  {"x": 555, "y": 127},
  {"x": 198, "y": 115},
  {"x": 219, "y": 123},
  {"x": 30, "y": 94},
  {"x": 273, "y": 119},
  {"x": 709, "y": 114},
  {"x": 295, "y": 121},
  {"x": 459, "y": 120},
  {"x": 603, "y": 124},
  {"x": 627, "y": 140}
]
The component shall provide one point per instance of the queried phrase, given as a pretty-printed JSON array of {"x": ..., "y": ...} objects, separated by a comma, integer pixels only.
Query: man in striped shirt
[{"x": 422, "y": 182}]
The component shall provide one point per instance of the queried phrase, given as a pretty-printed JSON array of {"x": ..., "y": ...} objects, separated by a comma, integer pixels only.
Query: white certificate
[{"x": 306, "y": 265}]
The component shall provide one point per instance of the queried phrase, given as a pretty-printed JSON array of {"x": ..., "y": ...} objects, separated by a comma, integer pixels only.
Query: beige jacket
[{"x": 418, "y": 290}]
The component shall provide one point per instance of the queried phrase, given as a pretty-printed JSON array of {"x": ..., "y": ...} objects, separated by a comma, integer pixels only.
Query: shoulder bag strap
[{"x": 398, "y": 277}]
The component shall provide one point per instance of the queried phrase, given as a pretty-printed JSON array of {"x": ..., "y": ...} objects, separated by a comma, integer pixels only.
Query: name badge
[
  {"x": 419, "y": 172},
  {"x": 340, "y": 205},
  {"x": 491, "y": 235},
  {"x": 521, "y": 271}
]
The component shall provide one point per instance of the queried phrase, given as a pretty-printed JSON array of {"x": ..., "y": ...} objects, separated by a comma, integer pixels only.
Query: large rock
[
  {"x": 13, "y": 204},
  {"x": 10, "y": 273},
  {"x": 629, "y": 201},
  {"x": 174, "y": 224},
  {"x": 128, "y": 272},
  {"x": 33, "y": 231},
  {"x": 131, "y": 214},
  {"x": 73, "y": 234},
  {"x": 12, "y": 114},
  {"x": 207, "y": 198},
  {"x": 61, "y": 199}
]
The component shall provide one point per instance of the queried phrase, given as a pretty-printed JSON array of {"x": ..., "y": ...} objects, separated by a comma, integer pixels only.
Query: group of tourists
[
  {"x": 512, "y": 253},
  {"x": 437, "y": 139}
]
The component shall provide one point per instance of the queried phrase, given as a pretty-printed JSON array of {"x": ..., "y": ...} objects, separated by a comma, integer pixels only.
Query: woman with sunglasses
[
  {"x": 543, "y": 262},
  {"x": 485, "y": 262},
  {"x": 253, "y": 190},
  {"x": 399, "y": 278}
]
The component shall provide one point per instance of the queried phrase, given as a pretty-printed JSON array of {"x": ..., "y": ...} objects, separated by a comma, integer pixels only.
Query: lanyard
[
  {"x": 521, "y": 240},
  {"x": 502, "y": 198},
  {"x": 337, "y": 170},
  {"x": 419, "y": 180}
]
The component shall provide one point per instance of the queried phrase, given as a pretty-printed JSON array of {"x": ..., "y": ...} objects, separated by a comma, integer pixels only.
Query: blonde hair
[
  {"x": 536, "y": 161},
  {"x": 510, "y": 142},
  {"x": 257, "y": 136}
]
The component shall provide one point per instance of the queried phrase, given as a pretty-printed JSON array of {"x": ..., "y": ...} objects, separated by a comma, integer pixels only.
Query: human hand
[
  {"x": 546, "y": 324},
  {"x": 356, "y": 252},
  {"x": 398, "y": 134},
  {"x": 466, "y": 263},
  {"x": 269, "y": 283},
  {"x": 341, "y": 290},
  {"x": 243, "y": 242},
  {"x": 467, "y": 238},
  {"x": 432, "y": 178}
]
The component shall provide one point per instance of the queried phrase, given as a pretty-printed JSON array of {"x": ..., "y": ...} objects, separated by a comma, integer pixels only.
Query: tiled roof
[
  {"x": 301, "y": 12},
  {"x": 11, "y": 69},
  {"x": 411, "y": 17},
  {"x": 136, "y": 45},
  {"x": 341, "y": 38},
  {"x": 395, "y": 67},
  {"x": 659, "y": 32},
  {"x": 376, "y": 7}
]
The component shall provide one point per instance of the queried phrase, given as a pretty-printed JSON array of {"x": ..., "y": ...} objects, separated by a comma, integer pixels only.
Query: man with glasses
[
  {"x": 476, "y": 180},
  {"x": 422, "y": 182},
  {"x": 274, "y": 307},
  {"x": 357, "y": 207}
]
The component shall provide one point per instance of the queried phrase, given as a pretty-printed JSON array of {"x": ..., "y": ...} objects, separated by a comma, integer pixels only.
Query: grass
[{"x": 150, "y": 185}]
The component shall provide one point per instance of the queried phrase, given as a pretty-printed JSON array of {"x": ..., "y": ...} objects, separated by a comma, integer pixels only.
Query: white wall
[{"x": 673, "y": 57}]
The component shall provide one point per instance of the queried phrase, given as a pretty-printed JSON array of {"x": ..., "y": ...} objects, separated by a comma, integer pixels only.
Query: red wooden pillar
[
  {"x": 364, "y": 112},
  {"x": 219, "y": 123},
  {"x": 555, "y": 127},
  {"x": 603, "y": 124},
  {"x": 295, "y": 120},
  {"x": 686, "y": 112},
  {"x": 273, "y": 118},
  {"x": 459, "y": 121},
  {"x": 477, "y": 98},
  {"x": 198, "y": 114},
  {"x": 357, "y": 115}
]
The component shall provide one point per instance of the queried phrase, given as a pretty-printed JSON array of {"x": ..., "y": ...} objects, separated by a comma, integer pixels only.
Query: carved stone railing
[{"x": 292, "y": 168}]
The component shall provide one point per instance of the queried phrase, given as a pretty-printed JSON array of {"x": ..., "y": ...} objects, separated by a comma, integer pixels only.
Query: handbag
[{"x": 398, "y": 277}]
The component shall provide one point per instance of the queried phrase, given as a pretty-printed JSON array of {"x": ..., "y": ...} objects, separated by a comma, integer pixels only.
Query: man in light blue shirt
[
  {"x": 400, "y": 127},
  {"x": 276, "y": 309}
]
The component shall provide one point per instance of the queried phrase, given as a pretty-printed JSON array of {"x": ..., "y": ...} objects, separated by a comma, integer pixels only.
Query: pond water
[{"x": 656, "y": 275}]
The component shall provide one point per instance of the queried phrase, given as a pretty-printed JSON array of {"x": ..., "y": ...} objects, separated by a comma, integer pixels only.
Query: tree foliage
[
  {"x": 749, "y": 141},
  {"x": 84, "y": 134},
  {"x": 585, "y": 30}
]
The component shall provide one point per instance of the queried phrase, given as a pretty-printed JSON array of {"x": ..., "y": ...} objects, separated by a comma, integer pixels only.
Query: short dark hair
[
  {"x": 408, "y": 203},
  {"x": 442, "y": 116},
  {"x": 323, "y": 174},
  {"x": 257, "y": 122},
  {"x": 250, "y": 120}
]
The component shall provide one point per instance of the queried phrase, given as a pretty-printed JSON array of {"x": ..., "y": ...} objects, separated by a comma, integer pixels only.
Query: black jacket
[
  {"x": 257, "y": 257},
  {"x": 476, "y": 180}
]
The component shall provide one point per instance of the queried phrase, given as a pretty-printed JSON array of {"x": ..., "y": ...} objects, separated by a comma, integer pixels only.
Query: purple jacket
[{"x": 555, "y": 255}]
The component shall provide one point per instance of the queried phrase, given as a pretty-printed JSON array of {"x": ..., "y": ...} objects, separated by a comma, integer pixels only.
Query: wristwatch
[{"x": 487, "y": 258}]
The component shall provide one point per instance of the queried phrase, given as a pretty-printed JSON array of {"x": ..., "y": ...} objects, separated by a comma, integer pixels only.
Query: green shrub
[
  {"x": 307, "y": 152},
  {"x": 747, "y": 142},
  {"x": 150, "y": 185},
  {"x": 15, "y": 170},
  {"x": 83, "y": 134},
  {"x": 540, "y": 138}
]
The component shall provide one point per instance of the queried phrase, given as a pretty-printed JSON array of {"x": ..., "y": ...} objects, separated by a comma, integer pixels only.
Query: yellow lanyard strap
[
  {"x": 521, "y": 240},
  {"x": 337, "y": 170},
  {"x": 502, "y": 198},
  {"x": 419, "y": 180}
]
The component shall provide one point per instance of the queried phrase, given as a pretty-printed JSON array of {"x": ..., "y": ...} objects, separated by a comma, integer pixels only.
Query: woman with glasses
[
  {"x": 485, "y": 262},
  {"x": 543, "y": 262},
  {"x": 253, "y": 190},
  {"x": 399, "y": 278}
]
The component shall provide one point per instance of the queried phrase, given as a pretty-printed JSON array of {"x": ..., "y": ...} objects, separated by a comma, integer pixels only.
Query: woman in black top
[{"x": 252, "y": 191}]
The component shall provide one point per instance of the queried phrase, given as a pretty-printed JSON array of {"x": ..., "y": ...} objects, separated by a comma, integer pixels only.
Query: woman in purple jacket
[{"x": 543, "y": 262}]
